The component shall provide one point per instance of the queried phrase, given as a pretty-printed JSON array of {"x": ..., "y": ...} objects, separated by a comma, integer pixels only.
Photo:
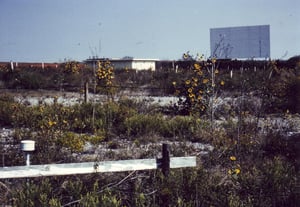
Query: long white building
[{"x": 129, "y": 63}]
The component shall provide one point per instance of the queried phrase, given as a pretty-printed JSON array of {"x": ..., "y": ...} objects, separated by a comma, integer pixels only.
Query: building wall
[
  {"x": 137, "y": 64},
  {"x": 240, "y": 42},
  {"x": 121, "y": 64},
  {"x": 143, "y": 65}
]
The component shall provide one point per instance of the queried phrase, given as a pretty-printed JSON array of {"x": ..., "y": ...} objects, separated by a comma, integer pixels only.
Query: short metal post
[
  {"x": 27, "y": 146},
  {"x": 27, "y": 159}
]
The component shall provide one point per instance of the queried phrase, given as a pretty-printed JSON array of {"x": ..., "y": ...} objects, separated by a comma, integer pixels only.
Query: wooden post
[
  {"x": 165, "y": 161},
  {"x": 86, "y": 92},
  {"x": 165, "y": 167}
]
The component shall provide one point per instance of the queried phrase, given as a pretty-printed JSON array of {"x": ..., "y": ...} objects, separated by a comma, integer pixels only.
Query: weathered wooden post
[
  {"x": 165, "y": 161},
  {"x": 165, "y": 167},
  {"x": 86, "y": 92}
]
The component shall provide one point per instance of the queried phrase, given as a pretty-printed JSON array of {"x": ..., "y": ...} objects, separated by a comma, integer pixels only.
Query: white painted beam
[{"x": 91, "y": 167}]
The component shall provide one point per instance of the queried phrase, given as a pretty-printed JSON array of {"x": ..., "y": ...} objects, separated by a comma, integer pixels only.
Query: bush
[
  {"x": 140, "y": 124},
  {"x": 72, "y": 142},
  {"x": 179, "y": 127},
  {"x": 246, "y": 167},
  {"x": 7, "y": 106},
  {"x": 293, "y": 96}
]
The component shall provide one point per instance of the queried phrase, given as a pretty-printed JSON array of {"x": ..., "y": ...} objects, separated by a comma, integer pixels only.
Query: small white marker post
[{"x": 27, "y": 146}]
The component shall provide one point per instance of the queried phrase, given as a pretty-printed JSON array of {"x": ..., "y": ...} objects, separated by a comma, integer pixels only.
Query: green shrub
[
  {"x": 72, "y": 142},
  {"x": 182, "y": 127},
  {"x": 7, "y": 106},
  {"x": 141, "y": 124},
  {"x": 293, "y": 95}
]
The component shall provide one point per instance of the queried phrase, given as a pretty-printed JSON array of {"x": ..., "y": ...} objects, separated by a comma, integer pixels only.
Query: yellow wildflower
[
  {"x": 197, "y": 66},
  {"x": 222, "y": 83},
  {"x": 41, "y": 109},
  {"x": 200, "y": 73},
  {"x": 232, "y": 158},
  {"x": 191, "y": 95},
  {"x": 195, "y": 79},
  {"x": 51, "y": 123},
  {"x": 205, "y": 80},
  {"x": 187, "y": 82},
  {"x": 190, "y": 90},
  {"x": 174, "y": 83},
  {"x": 237, "y": 171}
]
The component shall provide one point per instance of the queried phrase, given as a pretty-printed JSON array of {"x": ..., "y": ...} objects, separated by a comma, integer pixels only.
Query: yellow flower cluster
[
  {"x": 193, "y": 94},
  {"x": 105, "y": 72},
  {"x": 72, "y": 141},
  {"x": 234, "y": 171},
  {"x": 198, "y": 69},
  {"x": 71, "y": 67},
  {"x": 51, "y": 123},
  {"x": 198, "y": 87}
]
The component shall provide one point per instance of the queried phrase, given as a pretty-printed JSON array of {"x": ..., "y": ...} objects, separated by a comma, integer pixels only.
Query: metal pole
[{"x": 27, "y": 159}]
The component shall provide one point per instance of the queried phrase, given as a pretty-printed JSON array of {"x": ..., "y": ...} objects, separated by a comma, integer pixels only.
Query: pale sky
[{"x": 54, "y": 30}]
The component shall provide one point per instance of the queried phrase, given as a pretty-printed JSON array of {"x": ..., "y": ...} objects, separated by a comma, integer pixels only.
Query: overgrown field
[{"x": 248, "y": 115}]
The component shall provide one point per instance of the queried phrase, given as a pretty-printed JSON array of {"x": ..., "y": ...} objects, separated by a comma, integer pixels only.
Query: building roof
[{"x": 125, "y": 59}]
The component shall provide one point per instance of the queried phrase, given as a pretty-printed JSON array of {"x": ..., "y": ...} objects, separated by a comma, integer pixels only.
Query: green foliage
[
  {"x": 178, "y": 127},
  {"x": 248, "y": 166},
  {"x": 293, "y": 95},
  {"x": 140, "y": 124},
  {"x": 7, "y": 106},
  {"x": 266, "y": 182},
  {"x": 36, "y": 194},
  {"x": 183, "y": 127},
  {"x": 197, "y": 88},
  {"x": 72, "y": 141}
]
